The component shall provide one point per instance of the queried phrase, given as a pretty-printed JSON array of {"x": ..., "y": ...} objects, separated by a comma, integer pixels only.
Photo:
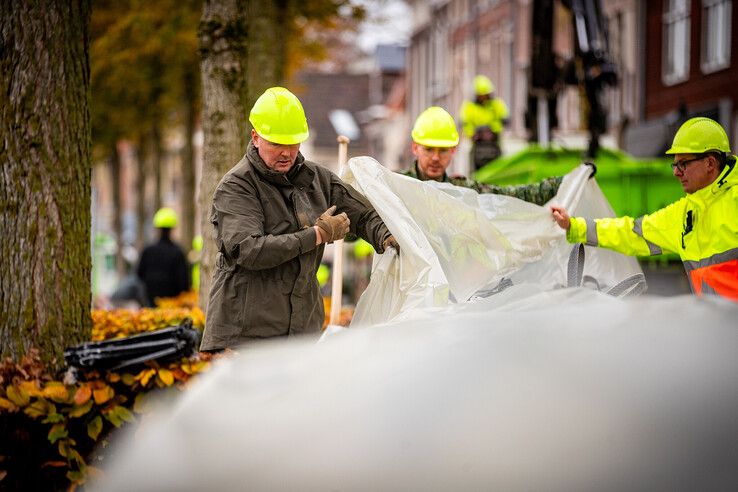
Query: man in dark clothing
[
  {"x": 163, "y": 267},
  {"x": 273, "y": 213}
]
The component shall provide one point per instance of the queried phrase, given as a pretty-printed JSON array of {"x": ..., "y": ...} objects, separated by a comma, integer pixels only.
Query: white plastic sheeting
[
  {"x": 563, "y": 390},
  {"x": 534, "y": 387},
  {"x": 455, "y": 243}
]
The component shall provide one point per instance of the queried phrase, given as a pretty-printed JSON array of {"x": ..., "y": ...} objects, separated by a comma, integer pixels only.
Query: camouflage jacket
[{"x": 538, "y": 193}]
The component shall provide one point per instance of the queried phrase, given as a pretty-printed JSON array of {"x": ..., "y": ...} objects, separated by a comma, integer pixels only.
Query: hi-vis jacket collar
[{"x": 727, "y": 178}]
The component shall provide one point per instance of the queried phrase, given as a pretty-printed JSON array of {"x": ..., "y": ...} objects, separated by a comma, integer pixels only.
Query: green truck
[{"x": 633, "y": 186}]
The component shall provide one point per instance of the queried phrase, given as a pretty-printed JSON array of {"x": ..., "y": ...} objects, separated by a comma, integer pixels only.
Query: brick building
[{"x": 675, "y": 58}]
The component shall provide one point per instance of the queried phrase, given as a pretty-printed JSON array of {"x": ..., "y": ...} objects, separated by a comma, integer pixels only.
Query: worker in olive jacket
[{"x": 273, "y": 213}]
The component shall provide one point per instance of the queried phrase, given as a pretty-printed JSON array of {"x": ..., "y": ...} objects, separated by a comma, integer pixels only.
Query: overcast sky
[{"x": 388, "y": 21}]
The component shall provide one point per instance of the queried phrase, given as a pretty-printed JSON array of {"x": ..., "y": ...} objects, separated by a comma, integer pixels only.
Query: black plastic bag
[{"x": 162, "y": 345}]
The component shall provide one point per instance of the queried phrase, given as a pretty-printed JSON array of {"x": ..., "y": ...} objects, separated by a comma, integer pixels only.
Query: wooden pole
[{"x": 337, "y": 282}]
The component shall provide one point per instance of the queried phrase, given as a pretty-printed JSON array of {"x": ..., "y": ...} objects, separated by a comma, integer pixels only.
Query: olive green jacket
[
  {"x": 538, "y": 193},
  {"x": 264, "y": 282}
]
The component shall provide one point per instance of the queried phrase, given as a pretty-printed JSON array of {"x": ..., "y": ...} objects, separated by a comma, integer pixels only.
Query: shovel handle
[{"x": 337, "y": 282}]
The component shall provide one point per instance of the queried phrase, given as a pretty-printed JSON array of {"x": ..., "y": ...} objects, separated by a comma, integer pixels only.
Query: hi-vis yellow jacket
[
  {"x": 490, "y": 114},
  {"x": 702, "y": 228}
]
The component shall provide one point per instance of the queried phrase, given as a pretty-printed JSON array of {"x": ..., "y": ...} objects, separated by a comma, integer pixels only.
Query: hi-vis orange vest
[{"x": 702, "y": 228}]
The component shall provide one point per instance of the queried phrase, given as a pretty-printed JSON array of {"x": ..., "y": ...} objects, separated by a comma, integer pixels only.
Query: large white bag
[{"x": 457, "y": 245}]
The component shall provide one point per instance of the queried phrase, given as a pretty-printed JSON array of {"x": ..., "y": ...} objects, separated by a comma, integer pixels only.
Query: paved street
[{"x": 665, "y": 280}]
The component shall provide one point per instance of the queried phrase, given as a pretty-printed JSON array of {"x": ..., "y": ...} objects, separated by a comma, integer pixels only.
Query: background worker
[
  {"x": 435, "y": 139},
  {"x": 702, "y": 227},
  {"x": 273, "y": 213},
  {"x": 482, "y": 120},
  {"x": 163, "y": 267}
]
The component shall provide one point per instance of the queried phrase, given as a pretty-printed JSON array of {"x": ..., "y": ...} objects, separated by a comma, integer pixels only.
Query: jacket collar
[
  {"x": 299, "y": 175},
  {"x": 727, "y": 179}
]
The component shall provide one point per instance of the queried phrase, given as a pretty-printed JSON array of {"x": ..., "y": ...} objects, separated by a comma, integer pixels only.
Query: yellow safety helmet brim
[
  {"x": 430, "y": 142},
  {"x": 284, "y": 139}
]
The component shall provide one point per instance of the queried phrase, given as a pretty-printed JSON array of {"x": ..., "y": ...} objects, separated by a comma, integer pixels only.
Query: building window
[
  {"x": 439, "y": 42},
  {"x": 715, "y": 35},
  {"x": 675, "y": 62}
]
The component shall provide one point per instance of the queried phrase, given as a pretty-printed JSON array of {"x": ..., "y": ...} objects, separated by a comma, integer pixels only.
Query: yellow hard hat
[
  {"x": 435, "y": 128},
  {"x": 483, "y": 86},
  {"x": 698, "y": 135},
  {"x": 165, "y": 218},
  {"x": 277, "y": 116}
]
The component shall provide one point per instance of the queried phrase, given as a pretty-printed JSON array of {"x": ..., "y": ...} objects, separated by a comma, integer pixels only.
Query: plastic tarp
[
  {"x": 457, "y": 245},
  {"x": 559, "y": 390},
  {"x": 542, "y": 384}
]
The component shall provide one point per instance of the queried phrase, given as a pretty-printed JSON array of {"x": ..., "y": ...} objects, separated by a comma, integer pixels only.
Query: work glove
[
  {"x": 332, "y": 227},
  {"x": 391, "y": 242}
]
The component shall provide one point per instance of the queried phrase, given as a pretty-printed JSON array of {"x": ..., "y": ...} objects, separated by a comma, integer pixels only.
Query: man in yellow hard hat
[
  {"x": 702, "y": 227},
  {"x": 273, "y": 213},
  {"x": 482, "y": 120},
  {"x": 434, "y": 142},
  {"x": 163, "y": 266}
]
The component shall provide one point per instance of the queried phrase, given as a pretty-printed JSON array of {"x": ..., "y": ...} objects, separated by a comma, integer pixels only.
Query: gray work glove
[
  {"x": 391, "y": 242},
  {"x": 332, "y": 227}
]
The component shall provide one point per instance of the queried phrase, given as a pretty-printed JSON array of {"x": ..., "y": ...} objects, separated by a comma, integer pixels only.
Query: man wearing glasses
[
  {"x": 702, "y": 227},
  {"x": 434, "y": 144}
]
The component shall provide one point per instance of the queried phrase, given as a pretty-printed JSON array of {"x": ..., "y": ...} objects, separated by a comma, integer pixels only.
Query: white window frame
[
  {"x": 716, "y": 40},
  {"x": 440, "y": 84},
  {"x": 676, "y": 41}
]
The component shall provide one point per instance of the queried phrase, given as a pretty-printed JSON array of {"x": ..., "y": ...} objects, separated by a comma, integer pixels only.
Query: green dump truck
[{"x": 633, "y": 186}]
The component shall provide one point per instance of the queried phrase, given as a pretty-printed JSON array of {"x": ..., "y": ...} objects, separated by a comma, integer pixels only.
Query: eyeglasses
[
  {"x": 682, "y": 165},
  {"x": 432, "y": 150}
]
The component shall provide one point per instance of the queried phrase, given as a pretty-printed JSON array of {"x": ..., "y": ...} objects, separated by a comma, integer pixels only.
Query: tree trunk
[
  {"x": 267, "y": 48},
  {"x": 230, "y": 86},
  {"x": 142, "y": 155},
  {"x": 45, "y": 291},
  {"x": 222, "y": 35},
  {"x": 157, "y": 163},
  {"x": 187, "y": 228},
  {"x": 115, "y": 173}
]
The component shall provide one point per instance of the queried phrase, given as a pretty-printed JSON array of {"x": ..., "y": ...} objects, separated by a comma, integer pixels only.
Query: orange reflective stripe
[{"x": 721, "y": 279}]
